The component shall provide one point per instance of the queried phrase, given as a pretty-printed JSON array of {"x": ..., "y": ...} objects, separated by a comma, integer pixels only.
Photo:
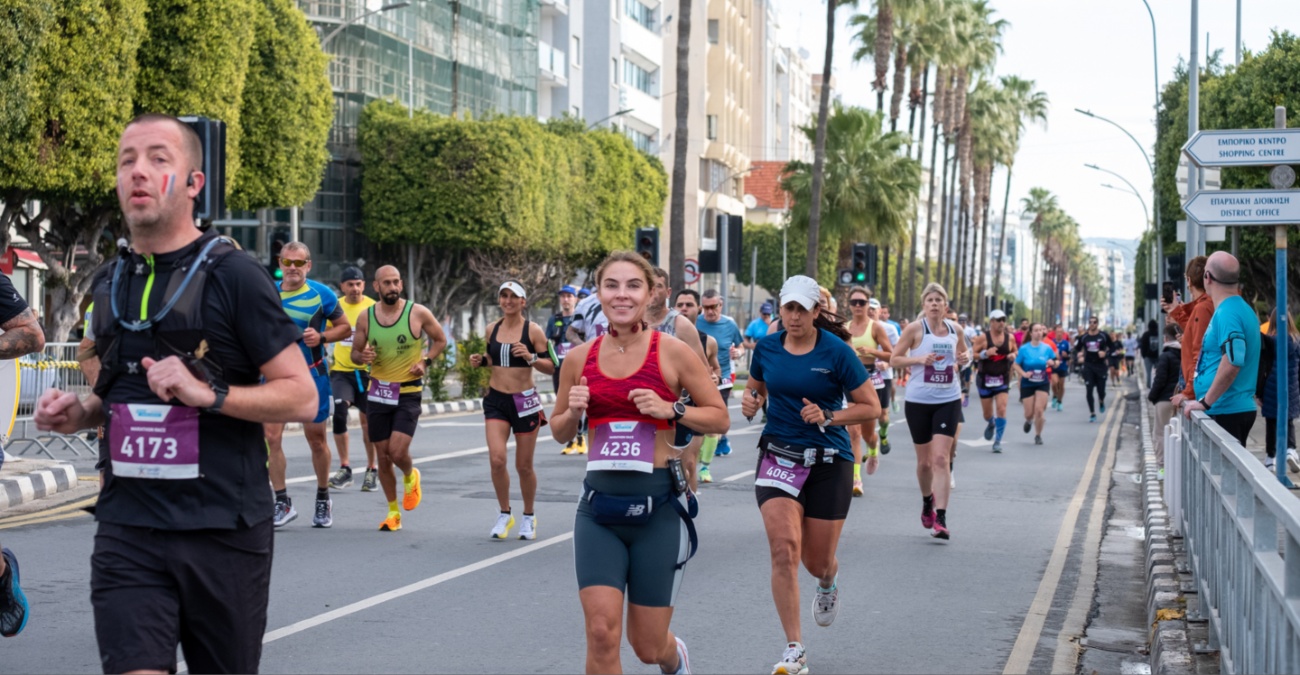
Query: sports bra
[
  {"x": 499, "y": 353},
  {"x": 608, "y": 400}
]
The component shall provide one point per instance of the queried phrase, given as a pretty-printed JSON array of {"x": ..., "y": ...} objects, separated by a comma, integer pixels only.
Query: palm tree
[
  {"x": 1031, "y": 106},
  {"x": 677, "y": 209},
  {"x": 1044, "y": 205},
  {"x": 819, "y": 144},
  {"x": 992, "y": 117},
  {"x": 870, "y": 185}
]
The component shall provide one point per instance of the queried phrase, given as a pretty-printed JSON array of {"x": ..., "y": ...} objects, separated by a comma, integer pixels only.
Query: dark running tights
[{"x": 1095, "y": 379}]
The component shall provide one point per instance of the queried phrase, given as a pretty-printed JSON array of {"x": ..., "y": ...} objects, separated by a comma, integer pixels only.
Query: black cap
[{"x": 351, "y": 273}]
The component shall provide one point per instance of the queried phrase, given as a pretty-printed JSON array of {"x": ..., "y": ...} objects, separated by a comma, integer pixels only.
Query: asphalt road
[{"x": 439, "y": 596}]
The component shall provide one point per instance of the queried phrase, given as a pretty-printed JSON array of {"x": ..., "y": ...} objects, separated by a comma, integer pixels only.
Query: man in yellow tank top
[
  {"x": 349, "y": 381},
  {"x": 392, "y": 335}
]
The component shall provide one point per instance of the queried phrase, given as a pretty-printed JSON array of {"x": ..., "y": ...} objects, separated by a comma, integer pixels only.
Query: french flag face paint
[{"x": 168, "y": 183}]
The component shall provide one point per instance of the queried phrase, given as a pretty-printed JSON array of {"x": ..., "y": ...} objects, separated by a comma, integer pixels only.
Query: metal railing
[
  {"x": 1241, "y": 528},
  {"x": 56, "y": 367}
]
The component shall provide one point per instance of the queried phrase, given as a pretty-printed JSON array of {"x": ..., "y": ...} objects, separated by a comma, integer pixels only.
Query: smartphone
[{"x": 1168, "y": 292}]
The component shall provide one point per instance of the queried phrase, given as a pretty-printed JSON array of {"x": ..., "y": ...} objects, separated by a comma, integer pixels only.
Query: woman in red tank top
[{"x": 625, "y": 382}]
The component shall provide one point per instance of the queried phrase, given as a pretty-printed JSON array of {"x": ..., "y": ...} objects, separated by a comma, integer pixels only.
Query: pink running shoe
[
  {"x": 927, "y": 515},
  {"x": 940, "y": 531}
]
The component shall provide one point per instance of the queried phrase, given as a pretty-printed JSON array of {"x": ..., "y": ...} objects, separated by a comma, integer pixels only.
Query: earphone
[{"x": 189, "y": 180}]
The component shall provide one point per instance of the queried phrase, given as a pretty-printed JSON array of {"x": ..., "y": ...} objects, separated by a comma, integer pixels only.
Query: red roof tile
[{"x": 764, "y": 182}]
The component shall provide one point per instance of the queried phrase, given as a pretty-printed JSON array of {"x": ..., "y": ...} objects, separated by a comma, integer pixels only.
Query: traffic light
[
  {"x": 278, "y": 240},
  {"x": 647, "y": 244},
  {"x": 845, "y": 277},
  {"x": 864, "y": 264}
]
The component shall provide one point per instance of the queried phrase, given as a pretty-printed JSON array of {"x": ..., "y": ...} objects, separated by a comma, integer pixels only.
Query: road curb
[
  {"x": 427, "y": 410},
  {"x": 26, "y": 480},
  {"x": 1171, "y": 650}
]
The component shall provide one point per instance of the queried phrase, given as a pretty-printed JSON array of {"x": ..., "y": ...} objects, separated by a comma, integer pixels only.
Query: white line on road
[
  {"x": 347, "y": 610},
  {"x": 738, "y": 476},
  {"x": 1023, "y": 651}
]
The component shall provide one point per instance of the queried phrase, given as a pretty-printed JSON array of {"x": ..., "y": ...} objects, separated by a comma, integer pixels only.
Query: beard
[{"x": 391, "y": 298}]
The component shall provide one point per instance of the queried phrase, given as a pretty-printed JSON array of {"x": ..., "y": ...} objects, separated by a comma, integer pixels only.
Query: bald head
[
  {"x": 1224, "y": 268},
  {"x": 387, "y": 271},
  {"x": 388, "y": 284}
]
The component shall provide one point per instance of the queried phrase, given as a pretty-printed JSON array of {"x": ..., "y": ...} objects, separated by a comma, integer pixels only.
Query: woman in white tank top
[{"x": 935, "y": 350}]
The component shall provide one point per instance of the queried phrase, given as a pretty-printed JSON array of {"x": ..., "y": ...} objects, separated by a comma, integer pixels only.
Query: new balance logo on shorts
[{"x": 635, "y": 510}]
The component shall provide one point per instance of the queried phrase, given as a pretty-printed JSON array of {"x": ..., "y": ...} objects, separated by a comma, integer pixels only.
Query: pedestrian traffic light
[
  {"x": 845, "y": 277},
  {"x": 278, "y": 240},
  {"x": 647, "y": 244},
  {"x": 864, "y": 264}
]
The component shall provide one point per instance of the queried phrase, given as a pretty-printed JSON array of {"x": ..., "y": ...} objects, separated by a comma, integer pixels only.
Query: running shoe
[
  {"x": 927, "y": 514},
  {"x": 371, "y": 482},
  {"x": 411, "y": 499},
  {"x": 582, "y": 444},
  {"x": 1028, "y": 425},
  {"x": 793, "y": 662},
  {"x": 988, "y": 430},
  {"x": 1292, "y": 462},
  {"x": 324, "y": 516},
  {"x": 528, "y": 528},
  {"x": 997, "y": 447},
  {"x": 341, "y": 478},
  {"x": 1269, "y": 464},
  {"x": 724, "y": 448},
  {"x": 826, "y": 604},
  {"x": 705, "y": 476},
  {"x": 1103, "y": 408},
  {"x": 857, "y": 487},
  {"x": 570, "y": 448},
  {"x": 501, "y": 530},
  {"x": 1038, "y": 440},
  {"x": 1092, "y": 418},
  {"x": 884, "y": 446},
  {"x": 284, "y": 514},
  {"x": 940, "y": 531},
  {"x": 13, "y": 602},
  {"x": 683, "y": 658},
  {"x": 392, "y": 523},
  {"x": 873, "y": 463}
]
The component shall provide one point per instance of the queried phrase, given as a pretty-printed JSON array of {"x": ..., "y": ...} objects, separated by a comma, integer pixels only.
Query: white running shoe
[
  {"x": 793, "y": 662},
  {"x": 284, "y": 513},
  {"x": 1292, "y": 462},
  {"x": 683, "y": 659},
  {"x": 528, "y": 528},
  {"x": 952, "y": 480},
  {"x": 501, "y": 530},
  {"x": 826, "y": 604}
]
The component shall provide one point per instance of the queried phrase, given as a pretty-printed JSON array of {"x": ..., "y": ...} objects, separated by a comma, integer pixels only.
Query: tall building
[
  {"x": 727, "y": 120},
  {"x": 449, "y": 56},
  {"x": 622, "y": 48},
  {"x": 695, "y": 120},
  {"x": 559, "y": 59}
]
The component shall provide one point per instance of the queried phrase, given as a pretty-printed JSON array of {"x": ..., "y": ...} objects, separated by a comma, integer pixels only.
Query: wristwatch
[
  {"x": 532, "y": 360},
  {"x": 679, "y": 410},
  {"x": 1203, "y": 403},
  {"x": 830, "y": 417},
  {"x": 220, "y": 389},
  {"x": 428, "y": 361}
]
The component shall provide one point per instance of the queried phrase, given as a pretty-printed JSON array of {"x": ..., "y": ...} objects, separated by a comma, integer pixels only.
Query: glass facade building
[{"x": 465, "y": 57}]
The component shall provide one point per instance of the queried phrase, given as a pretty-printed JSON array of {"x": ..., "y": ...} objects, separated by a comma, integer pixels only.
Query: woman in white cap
[
  {"x": 805, "y": 465},
  {"x": 935, "y": 349},
  {"x": 515, "y": 347}
]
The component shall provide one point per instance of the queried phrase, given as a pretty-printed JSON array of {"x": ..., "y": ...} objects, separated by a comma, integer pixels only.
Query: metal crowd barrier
[
  {"x": 57, "y": 367},
  {"x": 1241, "y": 528}
]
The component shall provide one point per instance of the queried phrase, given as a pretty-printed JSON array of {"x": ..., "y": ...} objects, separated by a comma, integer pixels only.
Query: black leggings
[{"x": 1094, "y": 377}]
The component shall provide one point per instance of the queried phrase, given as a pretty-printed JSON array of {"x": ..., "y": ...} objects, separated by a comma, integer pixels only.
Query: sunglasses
[
  {"x": 293, "y": 263},
  {"x": 858, "y": 303},
  {"x": 709, "y": 307},
  {"x": 1000, "y": 320},
  {"x": 1219, "y": 281}
]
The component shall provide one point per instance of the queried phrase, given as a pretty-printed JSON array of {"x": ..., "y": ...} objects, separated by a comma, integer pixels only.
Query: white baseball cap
[
  {"x": 997, "y": 314},
  {"x": 801, "y": 289},
  {"x": 873, "y": 303},
  {"x": 515, "y": 288}
]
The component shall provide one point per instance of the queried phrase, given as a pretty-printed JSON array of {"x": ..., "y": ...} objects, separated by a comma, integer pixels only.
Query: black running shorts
[
  {"x": 927, "y": 420},
  {"x": 205, "y": 590},
  {"x": 350, "y": 387},
  {"x": 498, "y": 405},
  {"x": 1028, "y": 389},
  {"x": 402, "y": 418},
  {"x": 826, "y": 494}
]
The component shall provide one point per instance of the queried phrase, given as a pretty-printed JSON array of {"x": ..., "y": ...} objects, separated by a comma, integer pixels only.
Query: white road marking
[
  {"x": 738, "y": 476},
  {"x": 976, "y": 443},
  {"x": 427, "y": 425},
  {"x": 347, "y": 610},
  {"x": 431, "y": 458}
]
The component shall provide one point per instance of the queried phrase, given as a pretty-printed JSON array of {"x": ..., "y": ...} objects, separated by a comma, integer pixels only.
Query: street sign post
[
  {"x": 1244, "y": 147},
  {"x": 1244, "y": 207}
]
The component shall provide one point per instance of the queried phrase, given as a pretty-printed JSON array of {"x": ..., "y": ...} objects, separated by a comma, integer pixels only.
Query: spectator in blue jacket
[{"x": 1266, "y": 390}]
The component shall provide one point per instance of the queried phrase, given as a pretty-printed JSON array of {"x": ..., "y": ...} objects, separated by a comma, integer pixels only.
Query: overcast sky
[{"x": 1090, "y": 54}]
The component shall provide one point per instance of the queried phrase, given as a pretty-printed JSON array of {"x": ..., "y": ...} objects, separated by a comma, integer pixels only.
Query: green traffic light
[
  {"x": 861, "y": 276},
  {"x": 279, "y": 274}
]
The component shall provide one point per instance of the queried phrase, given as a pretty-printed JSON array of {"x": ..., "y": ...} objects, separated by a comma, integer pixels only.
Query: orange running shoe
[
  {"x": 392, "y": 523},
  {"x": 411, "y": 499}
]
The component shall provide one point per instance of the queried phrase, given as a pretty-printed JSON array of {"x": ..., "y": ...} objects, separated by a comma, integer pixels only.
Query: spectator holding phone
[{"x": 1193, "y": 318}]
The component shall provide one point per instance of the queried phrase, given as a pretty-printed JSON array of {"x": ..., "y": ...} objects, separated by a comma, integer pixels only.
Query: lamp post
[
  {"x": 1150, "y": 306},
  {"x": 1133, "y": 192},
  {"x": 598, "y": 122}
]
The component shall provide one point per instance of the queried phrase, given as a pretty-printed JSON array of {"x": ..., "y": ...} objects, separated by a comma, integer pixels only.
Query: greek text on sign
[
  {"x": 1245, "y": 207},
  {"x": 1244, "y": 147}
]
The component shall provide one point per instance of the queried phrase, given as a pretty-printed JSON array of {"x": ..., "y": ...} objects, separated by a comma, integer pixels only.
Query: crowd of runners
[{"x": 200, "y": 361}]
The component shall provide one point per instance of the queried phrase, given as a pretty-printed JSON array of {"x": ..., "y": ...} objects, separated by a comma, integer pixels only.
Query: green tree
[
  {"x": 287, "y": 107},
  {"x": 67, "y": 70}
]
